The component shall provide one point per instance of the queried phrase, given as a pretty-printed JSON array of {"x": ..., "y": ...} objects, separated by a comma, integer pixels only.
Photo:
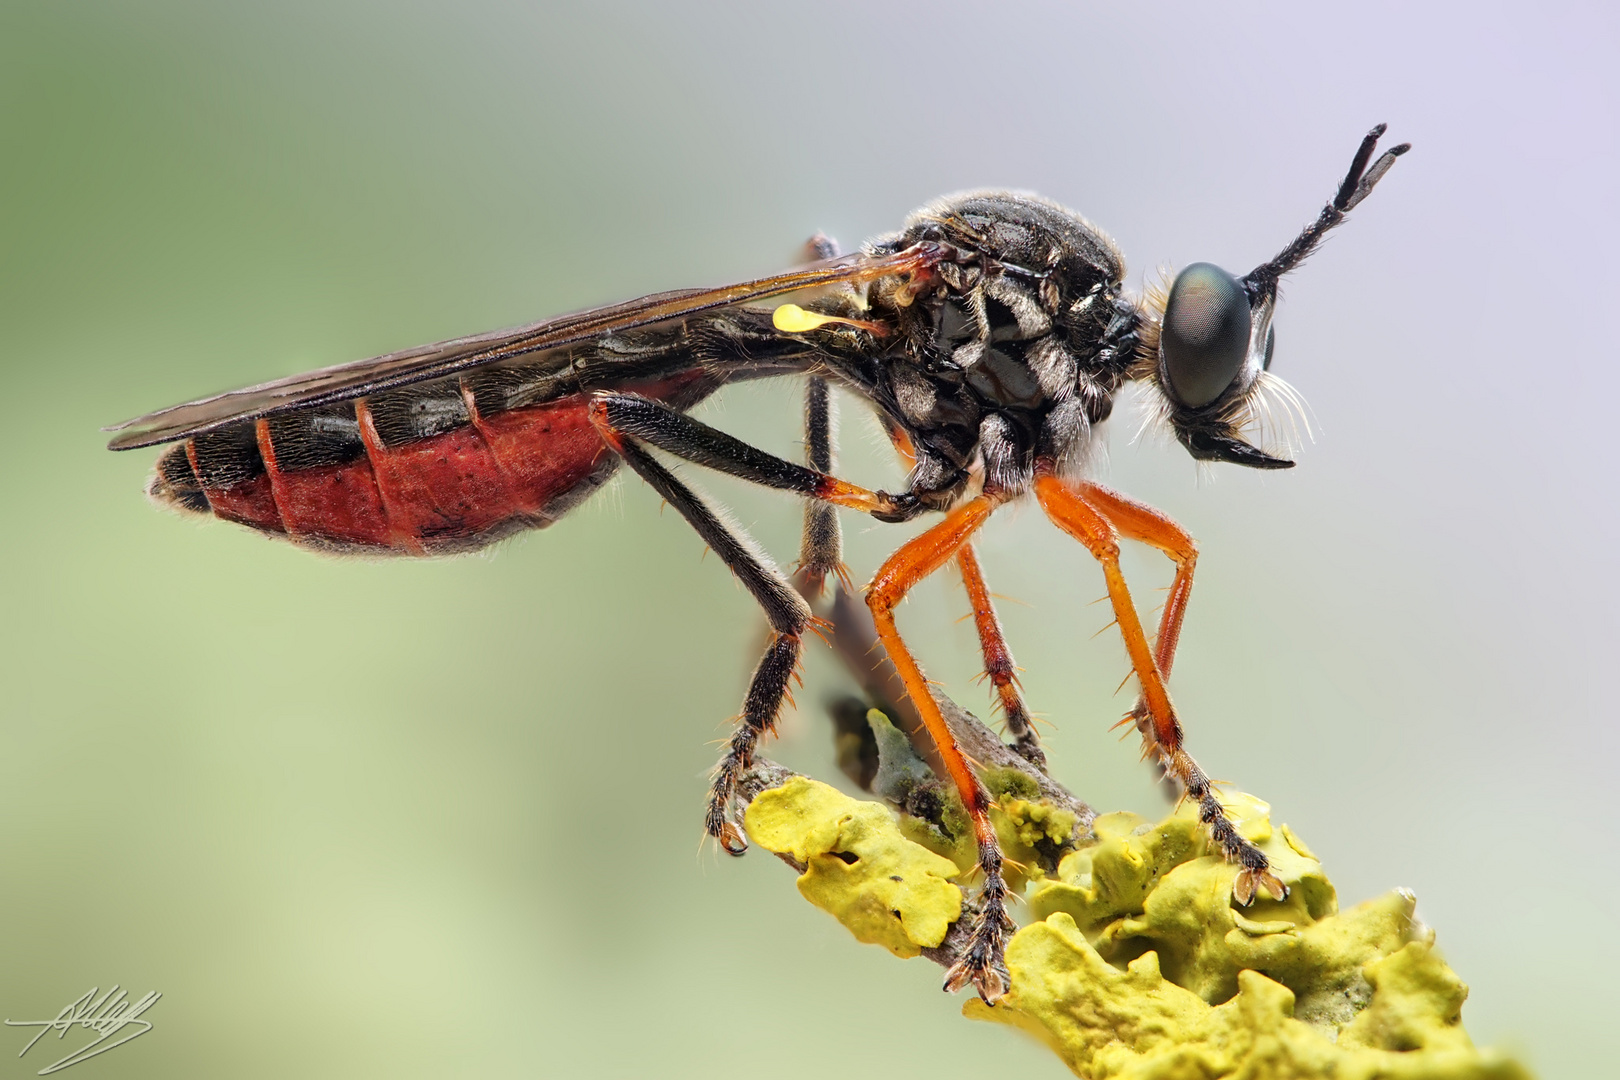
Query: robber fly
[{"x": 991, "y": 335}]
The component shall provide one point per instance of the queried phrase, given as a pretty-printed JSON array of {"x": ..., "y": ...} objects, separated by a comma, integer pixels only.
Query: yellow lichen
[
  {"x": 1106, "y": 1023},
  {"x": 1032, "y": 823},
  {"x": 885, "y": 889},
  {"x": 1023, "y": 827},
  {"x": 1139, "y": 965},
  {"x": 1030, "y": 831}
]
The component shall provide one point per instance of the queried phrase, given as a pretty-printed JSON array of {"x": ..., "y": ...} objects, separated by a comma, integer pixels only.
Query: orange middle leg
[
  {"x": 982, "y": 963},
  {"x": 998, "y": 660},
  {"x": 1072, "y": 512}
]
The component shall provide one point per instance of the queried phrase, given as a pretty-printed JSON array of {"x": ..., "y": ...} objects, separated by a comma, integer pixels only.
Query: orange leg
[
  {"x": 1075, "y": 515},
  {"x": 998, "y": 660},
  {"x": 1139, "y": 521},
  {"x": 982, "y": 963}
]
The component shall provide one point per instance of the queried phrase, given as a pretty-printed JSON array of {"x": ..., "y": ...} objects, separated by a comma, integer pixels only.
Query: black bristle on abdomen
[
  {"x": 176, "y": 484},
  {"x": 228, "y": 456}
]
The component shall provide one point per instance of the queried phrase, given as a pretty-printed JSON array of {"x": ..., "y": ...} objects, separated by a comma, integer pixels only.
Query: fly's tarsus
[
  {"x": 766, "y": 691},
  {"x": 1255, "y": 867},
  {"x": 982, "y": 964}
]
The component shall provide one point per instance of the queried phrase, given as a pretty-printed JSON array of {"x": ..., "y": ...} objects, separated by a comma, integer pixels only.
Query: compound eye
[{"x": 1205, "y": 338}]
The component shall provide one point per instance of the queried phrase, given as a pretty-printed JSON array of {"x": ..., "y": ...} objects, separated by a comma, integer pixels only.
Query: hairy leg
[
  {"x": 821, "y": 546},
  {"x": 1072, "y": 513},
  {"x": 622, "y": 416},
  {"x": 1138, "y": 521},
  {"x": 786, "y": 611},
  {"x": 982, "y": 964},
  {"x": 998, "y": 659}
]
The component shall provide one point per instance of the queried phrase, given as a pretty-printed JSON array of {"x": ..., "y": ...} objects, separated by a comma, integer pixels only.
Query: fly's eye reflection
[{"x": 1206, "y": 334}]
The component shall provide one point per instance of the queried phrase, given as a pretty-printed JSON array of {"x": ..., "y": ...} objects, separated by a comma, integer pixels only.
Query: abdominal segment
[{"x": 445, "y": 466}]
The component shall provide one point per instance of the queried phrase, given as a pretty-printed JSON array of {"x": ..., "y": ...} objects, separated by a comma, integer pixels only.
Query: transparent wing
[{"x": 347, "y": 381}]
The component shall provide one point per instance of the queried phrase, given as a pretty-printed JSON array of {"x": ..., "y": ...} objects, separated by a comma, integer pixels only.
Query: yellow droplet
[{"x": 793, "y": 319}]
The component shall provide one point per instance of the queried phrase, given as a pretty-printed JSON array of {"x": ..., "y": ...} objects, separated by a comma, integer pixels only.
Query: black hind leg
[{"x": 786, "y": 611}]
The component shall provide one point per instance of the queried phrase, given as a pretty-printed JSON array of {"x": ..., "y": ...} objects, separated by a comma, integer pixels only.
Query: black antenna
[{"x": 1261, "y": 282}]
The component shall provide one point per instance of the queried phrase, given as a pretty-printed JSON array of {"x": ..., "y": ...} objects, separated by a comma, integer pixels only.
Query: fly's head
[{"x": 1207, "y": 343}]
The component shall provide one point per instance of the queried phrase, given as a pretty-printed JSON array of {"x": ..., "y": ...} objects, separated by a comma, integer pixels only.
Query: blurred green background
[{"x": 442, "y": 819}]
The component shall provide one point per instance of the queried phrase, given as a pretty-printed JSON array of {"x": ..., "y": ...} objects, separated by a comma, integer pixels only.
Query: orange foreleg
[
  {"x": 1139, "y": 521},
  {"x": 1073, "y": 512}
]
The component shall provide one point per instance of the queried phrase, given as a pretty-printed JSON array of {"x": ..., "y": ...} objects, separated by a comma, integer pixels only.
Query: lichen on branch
[
  {"x": 884, "y": 889},
  {"x": 1134, "y": 961}
]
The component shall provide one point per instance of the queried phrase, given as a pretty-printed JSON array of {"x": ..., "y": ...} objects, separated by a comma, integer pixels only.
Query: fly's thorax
[
  {"x": 1031, "y": 305},
  {"x": 1024, "y": 232},
  {"x": 1014, "y": 356}
]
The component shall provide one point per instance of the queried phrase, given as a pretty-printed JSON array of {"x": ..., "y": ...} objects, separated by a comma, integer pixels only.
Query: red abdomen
[{"x": 445, "y": 466}]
